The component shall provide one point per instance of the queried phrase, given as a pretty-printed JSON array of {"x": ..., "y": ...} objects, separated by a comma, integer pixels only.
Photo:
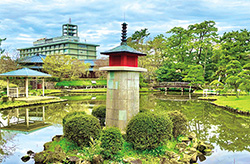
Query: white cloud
[{"x": 23, "y": 21}]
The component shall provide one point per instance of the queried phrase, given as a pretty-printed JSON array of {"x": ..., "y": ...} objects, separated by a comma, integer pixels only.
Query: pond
[{"x": 229, "y": 133}]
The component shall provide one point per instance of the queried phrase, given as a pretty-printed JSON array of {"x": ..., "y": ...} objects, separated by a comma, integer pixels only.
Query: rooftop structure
[{"x": 68, "y": 44}]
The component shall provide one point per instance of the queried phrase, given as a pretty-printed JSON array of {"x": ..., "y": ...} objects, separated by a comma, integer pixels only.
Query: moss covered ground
[{"x": 127, "y": 152}]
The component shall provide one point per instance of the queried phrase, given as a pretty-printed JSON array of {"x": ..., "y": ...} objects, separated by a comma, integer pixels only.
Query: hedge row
[
  {"x": 78, "y": 83},
  {"x": 146, "y": 130}
]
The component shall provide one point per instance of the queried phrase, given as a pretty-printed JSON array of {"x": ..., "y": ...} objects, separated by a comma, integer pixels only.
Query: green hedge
[
  {"x": 100, "y": 113},
  {"x": 111, "y": 142},
  {"x": 147, "y": 130},
  {"x": 81, "y": 128},
  {"x": 72, "y": 114},
  {"x": 78, "y": 83}
]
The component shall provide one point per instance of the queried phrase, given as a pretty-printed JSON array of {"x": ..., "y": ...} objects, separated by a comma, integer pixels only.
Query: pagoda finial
[{"x": 124, "y": 34}]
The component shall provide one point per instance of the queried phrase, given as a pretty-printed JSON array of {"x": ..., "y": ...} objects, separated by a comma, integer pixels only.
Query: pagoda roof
[
  {"x": 25, "y": 72},
  {"x": 123, "y": 49},
  {"x": 32, "y": 59}
]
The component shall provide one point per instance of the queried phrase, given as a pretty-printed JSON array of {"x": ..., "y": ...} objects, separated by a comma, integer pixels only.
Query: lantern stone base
[{"x": 122, "y": 101}]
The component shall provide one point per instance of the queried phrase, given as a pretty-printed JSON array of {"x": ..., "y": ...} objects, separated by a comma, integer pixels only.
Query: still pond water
[{"x": 229, "y": 133}]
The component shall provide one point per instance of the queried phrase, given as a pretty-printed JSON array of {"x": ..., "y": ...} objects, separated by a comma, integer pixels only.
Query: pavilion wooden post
[
  {"x": 8, "y": 88},
  {"x": 27, "y": 86},
  {"x": 27, "y": 117},
  {"x": 43, "y": 86},
  {"x": 43, "y": 114}
]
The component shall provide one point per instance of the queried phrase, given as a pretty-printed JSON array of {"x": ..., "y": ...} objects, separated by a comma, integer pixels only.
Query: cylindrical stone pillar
[{"x": 122, "y": 101}]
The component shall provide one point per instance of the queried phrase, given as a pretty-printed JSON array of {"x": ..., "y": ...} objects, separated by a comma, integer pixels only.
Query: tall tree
[
  {"x": 195, "y": 75},
  {"x": 155, "y": 50},
  {"x": 233, "y": 78},
  {"x": 235, "y": 45},
  {"x": 245, "y": 78},
  {"x": 7, "y": 64},
  {"x": 203, "y": 36},
  {"x": 64, "y": 66}
]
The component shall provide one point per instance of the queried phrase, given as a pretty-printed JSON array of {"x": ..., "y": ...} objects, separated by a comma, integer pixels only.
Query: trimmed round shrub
[
  {"x": 100, "y": 113},
  {"x": 65, "y": 118},
  {"x": 147, "y": 130},
  {"x": 80, "y": 128},
  {"x": 179, "y": 123},
  {"x": 111, "y": 141}
]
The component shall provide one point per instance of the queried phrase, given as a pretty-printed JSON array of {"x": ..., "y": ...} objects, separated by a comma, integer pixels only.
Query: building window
[
  {"x": 65, "y": 50},
  {"x": 82, "y": 46},
  {"x": 66, "y": 45}
]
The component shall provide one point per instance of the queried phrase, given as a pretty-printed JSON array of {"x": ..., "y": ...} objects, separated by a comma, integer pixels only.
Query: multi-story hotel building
[{"x": 68, "y": 44}]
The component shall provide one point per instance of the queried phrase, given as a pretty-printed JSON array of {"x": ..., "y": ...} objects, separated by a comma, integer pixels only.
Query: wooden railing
[{"x": 177, "y": 84}]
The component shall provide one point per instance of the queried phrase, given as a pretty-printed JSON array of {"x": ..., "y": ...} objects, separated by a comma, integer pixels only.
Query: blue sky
[{"x": 99, "y": 21}]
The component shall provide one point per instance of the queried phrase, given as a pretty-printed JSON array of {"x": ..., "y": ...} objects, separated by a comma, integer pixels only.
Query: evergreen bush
[
  {"x": 111, "y": 142},
  {"x": 100, "y": 113},
  {"x": 179, "y": 123},
  {"x": 80, "y": 128},
  {"x": 147, "y": 130},
  {"x": 65, "y": 118}
]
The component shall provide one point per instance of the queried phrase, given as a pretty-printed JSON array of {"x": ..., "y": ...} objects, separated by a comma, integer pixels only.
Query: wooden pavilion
[{"x": 26, "y": 73}]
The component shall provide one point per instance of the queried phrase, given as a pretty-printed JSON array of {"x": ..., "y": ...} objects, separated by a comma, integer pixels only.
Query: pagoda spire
[{"x": 124, "y": 34}]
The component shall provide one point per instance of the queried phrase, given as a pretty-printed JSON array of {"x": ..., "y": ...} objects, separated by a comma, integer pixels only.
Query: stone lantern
[{"x": 122, "y": 101}]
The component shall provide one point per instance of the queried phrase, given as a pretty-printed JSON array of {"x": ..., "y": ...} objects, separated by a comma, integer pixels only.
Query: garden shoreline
[
  {"x": 228, "y": 108},
  {"x": 34, "y": 104}
]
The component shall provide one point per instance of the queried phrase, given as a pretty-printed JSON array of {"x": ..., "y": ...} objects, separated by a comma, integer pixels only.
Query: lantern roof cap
[{"x": 123, "y": 49}]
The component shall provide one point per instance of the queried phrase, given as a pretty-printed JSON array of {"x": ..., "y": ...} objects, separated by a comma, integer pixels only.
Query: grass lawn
[
  {"x": 81, "y": 83},
  {"x": 242, "y": 103}
]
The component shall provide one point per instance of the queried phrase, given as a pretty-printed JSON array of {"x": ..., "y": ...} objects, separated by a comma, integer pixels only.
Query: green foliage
[
  {"x": 81, "y": 83},
  {"x": 179, "y": 123},
  {"x": 65, "y": 144},
  {"x": 7, "y": 64},
  {"x": 216, "y": 84},
  {"x": 233, "y": 69},
  {"x": 245, "y": 78},
  {"x": 148, "y": 130},
  {"x": 69, "y": 115},
  {"x": 64, "y": 66},
  {"x": 170, "y": 72},
  {"x": 3, "y": 85},
  {"x": 111, "y": 142},
  {"x": 94, "y": 149},
  {"x": 194, "y": 75},
  {"x": 100, "y": 113},
  {"x": 80, "y": 128}
]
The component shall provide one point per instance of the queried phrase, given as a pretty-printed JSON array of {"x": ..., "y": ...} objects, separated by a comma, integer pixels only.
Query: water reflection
[
  {"x": 229, "y": 133},
  {"x": 24, "y": 119}
]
